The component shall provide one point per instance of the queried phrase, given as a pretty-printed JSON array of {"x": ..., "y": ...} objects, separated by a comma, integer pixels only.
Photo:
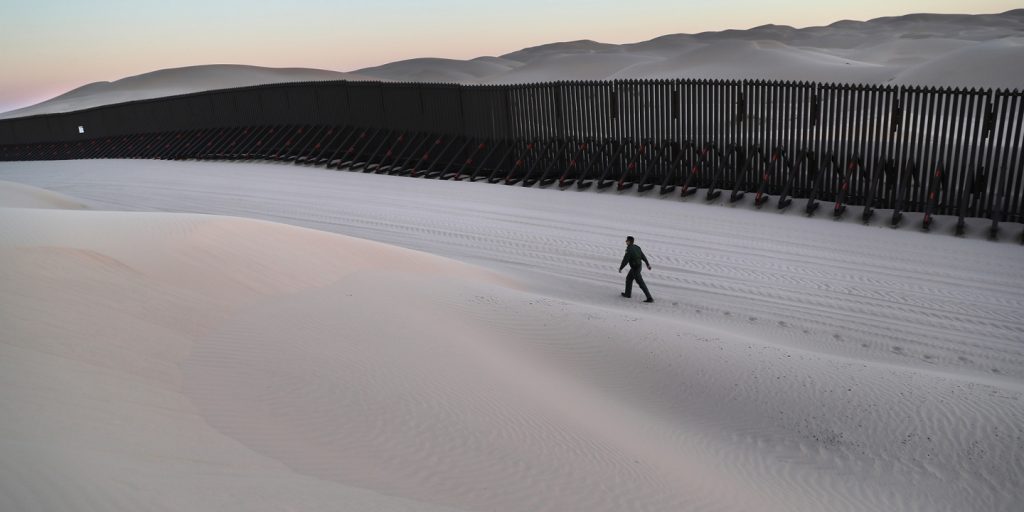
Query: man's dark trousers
[{"x": 634, "y": 274}]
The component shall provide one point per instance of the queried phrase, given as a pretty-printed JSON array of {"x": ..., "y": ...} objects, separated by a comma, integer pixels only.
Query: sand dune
[
  {"x": 174, "y": 360},
  {"x": 764, "y": 59},
  {"x": 441, "y": 70},
  {"x": 171, "y": 82},
  {"x": 16, "y": 195},
  {"x": 917, "y": 49},
  {"x": 597, "y": 66},
  {"x": 584, "y": 47},
  {"x": 988, "y": 59},
  {"x": 101, "y": 312},
  {"x": 884, "y": 50}
]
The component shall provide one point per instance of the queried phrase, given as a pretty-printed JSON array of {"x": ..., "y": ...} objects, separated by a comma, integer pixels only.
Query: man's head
[{"x": 629, "y": 240}]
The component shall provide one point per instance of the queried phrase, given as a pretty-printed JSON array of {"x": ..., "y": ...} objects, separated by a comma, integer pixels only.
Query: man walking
[{"x": 635, "y": 258}]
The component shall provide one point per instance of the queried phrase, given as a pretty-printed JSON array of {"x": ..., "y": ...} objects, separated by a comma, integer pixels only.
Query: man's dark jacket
[{"x": 634, "y": 257}]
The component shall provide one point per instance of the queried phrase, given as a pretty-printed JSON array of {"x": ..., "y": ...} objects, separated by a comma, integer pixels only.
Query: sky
[{"x": 49, "y": 47}]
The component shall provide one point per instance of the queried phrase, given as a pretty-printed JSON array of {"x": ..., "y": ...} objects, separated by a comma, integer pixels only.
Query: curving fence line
[{"x": 906, "y": 149}]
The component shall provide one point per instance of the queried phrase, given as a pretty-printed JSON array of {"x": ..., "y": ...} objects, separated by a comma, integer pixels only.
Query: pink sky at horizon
[{"x": 54, "y": 46}]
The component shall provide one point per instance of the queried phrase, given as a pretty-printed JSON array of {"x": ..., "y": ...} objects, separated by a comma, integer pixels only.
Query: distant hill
[
  {"x": 916, "y": 49},
  {"x": 170, "y": 82}
]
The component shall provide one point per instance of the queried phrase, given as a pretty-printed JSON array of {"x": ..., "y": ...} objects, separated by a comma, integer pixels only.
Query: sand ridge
[{"x": 918, "y": 49}]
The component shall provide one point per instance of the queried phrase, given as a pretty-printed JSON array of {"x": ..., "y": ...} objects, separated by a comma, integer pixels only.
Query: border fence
[{"x": 906, "y": 149}]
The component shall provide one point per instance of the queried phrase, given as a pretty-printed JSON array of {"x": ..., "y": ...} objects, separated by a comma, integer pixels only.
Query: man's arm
[
  {"x": 644, "y": 257},
  {"x": 625, "y": 259}
]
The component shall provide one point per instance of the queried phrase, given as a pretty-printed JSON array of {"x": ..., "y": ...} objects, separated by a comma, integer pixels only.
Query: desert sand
[
  {"x": 218, "y": 336},
  {"x": 267, "y": 337}
]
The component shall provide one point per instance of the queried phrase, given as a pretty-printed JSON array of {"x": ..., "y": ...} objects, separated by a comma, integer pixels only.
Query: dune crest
[
  {"x": 172, "y": 82},
  {"x": 101, "y": 309},
  {"x": 916, "y": 49},
  {"x": 17, "y": 195}
]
